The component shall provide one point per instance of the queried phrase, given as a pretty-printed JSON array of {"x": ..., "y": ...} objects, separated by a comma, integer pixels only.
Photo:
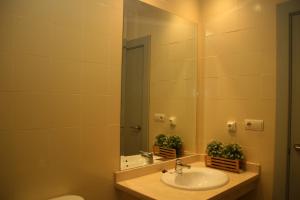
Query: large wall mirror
[{"x": 159, "y": 74}]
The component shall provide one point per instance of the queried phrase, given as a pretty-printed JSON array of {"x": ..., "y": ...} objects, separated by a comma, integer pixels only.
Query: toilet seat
[{"x": 68, "y": 197}]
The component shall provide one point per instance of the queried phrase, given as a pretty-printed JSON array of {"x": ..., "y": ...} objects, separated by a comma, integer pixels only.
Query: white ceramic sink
[{"x": 196, "y": 179}]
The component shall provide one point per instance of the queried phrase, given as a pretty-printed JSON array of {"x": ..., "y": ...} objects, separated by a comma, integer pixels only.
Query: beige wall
[
  {"x": 238, "y": 78},
  {"x": 59, "y": 81},
  {"x": 59, "y": 97},
  {"x": 172, "y": 70},
  {"x": 60, "y": 94}
]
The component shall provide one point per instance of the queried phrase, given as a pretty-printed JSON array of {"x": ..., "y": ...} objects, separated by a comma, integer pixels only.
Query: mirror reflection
[{"x": 158, "y": 107}]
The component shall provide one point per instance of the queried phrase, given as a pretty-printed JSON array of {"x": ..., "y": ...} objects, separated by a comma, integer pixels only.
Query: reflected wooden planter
[
  {"x": 164, "y": 152},
  {"x": 224, "y": 164}
]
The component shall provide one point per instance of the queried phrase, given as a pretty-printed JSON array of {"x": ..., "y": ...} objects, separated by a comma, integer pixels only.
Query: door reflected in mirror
[{"x": 158, "y": 84}]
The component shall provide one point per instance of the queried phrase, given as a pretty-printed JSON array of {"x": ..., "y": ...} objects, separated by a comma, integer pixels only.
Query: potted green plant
[
  {"x": 175, "y": 142},
  {"x": 233, "y": 152},
  {"x": 161, "y": 140},
  {"x": 215, "y": 148},
  {"x": 168, "y": 147},
  {"x": 227, "y": 157}
]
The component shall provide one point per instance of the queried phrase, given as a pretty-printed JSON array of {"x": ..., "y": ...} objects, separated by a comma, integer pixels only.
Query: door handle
[
  {"x": 297, "y": 147},
  {"x": 136, "y": 127}
]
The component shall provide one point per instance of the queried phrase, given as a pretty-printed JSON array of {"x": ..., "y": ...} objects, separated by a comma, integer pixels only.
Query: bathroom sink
[{"x": 196, "y": 179}]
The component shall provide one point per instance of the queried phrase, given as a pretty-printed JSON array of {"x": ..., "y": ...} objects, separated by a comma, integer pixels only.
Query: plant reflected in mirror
[{"x": 159, "y": 74}]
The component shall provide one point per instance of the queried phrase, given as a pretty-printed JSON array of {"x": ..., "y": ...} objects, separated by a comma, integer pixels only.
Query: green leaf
[
  {"x": 233, "y": 151},
  {"x": 214, "y": 148}
]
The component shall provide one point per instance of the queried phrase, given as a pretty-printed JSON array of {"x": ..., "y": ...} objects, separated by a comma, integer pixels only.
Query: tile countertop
[{"x": 150, "y": 187}]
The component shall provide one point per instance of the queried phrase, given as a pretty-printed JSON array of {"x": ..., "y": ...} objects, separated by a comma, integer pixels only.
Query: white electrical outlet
[
  {"x": 254, "y": 124},
  {"x": 159, "y": 117}
]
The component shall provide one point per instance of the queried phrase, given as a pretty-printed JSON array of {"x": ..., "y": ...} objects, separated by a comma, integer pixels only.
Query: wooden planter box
[
  {"x": 224, "y": 164},
  {"x": 164, "y": 152}
]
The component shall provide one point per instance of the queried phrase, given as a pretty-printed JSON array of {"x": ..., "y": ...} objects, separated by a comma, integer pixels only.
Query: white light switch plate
[{"x": 254, "y": 124}]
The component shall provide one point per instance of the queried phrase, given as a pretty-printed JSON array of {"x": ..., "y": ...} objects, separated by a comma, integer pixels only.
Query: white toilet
[{"x": 68, "y": 197}]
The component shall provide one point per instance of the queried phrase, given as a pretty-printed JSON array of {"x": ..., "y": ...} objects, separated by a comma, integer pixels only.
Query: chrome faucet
[
  {"x": 179, "y": 166},
  {"x": 148, "y": 156}
]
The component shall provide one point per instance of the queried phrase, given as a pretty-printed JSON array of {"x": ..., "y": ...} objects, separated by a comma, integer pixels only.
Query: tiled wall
[
  {"x": 59, "y": 97},
  {"x": 172, "y": 72},
  {"x": 187, "y": 9},
  {"x": 60, "y": 79},
  {"x": 238, "y": 78}
]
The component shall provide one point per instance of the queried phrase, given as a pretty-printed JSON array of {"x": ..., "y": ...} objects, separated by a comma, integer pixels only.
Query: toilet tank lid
[{"x": 68, "y": 197}]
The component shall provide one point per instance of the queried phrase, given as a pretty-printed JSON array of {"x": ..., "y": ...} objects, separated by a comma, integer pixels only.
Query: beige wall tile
[
  {"x": 6, "y": 72},
  {"x": 6, "y": 27},
  {"x": 60, "y": 80},
  {"x": 65, "y": 148},
  {"x": 31, "y": 150},
  {"x": 268, "y": 89},
  {"x": 95, "y": 78},
  {"x": 95, "y": 110},
  {"x": 6, "y": 152},
  {"x": 32, "y": 36},
  {"x": 32, "y": 111},
  {"x": 28, "y": 72},
  {"x": 31, "y": 9},
  {"x": 69, "y": 13},
  {"x": 7, "y": 174},
  {"x": 239, "y": 60},
  {"x": 6, "y": 111},
  {"x": 62, "y": 76}
]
